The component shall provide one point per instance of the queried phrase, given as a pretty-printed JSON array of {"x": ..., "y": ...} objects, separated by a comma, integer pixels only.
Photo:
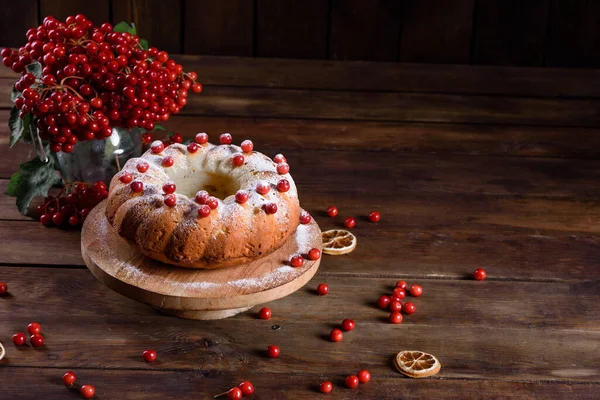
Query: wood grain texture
[
  {"x": 365, "y": 30},
  {"x": 291, "y": 28},
  {"x": 159, "y": 385},
  {"x": 17, "y": 17},
  {"x": 510, "y": 32},
  {"x": 221, "y": 28},
  {"x": 157, "y": 21},
  {"x": 96, "y": 11},
  {"x": 574, "y": 37},
  {"x": 436, "y": 31}
]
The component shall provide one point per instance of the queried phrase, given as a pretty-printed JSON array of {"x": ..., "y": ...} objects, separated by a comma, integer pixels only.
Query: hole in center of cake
[{"x": 217, "y": 185}]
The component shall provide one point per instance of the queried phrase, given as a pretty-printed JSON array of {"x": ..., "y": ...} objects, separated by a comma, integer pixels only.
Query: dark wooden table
[{"x": 469, "y": 166}]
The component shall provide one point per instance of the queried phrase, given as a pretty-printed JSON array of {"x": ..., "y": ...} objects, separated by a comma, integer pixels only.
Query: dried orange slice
[
  {"x": 417, "y": 364},
  {"x": 338, "y": 241},
  {"x": 2, "y": 351}
]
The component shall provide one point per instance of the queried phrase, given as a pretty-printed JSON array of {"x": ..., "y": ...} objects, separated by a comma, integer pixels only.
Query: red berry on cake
[
  {"x": 126, "y": 177},
  {"x": 157, "y": 146},
  {"x": 332, "y": 211},
  {"x": 304, "y": 217},
  {"x": 322, "y": 289},
  {"x": 203, "y": 211},
  {"x": 270, "y": 208},
  {"x": 202, "y": 196},
  {"x": 395, "y": 318},
  {"x": 348, "y": 325},
  {"x": 170, "y": 200},
  {"x": 238, "y": 160},
  {"x": 19, "y": 339},
  {"x": 193, "y": 147},
  {"x": 374, "y": 216},
  {"x": 297, "y": 261},
  {"x": 383, "y": 302},
  {"x": 225, "y": 138},
  {"x": 326, "y": 387},
  {"x": 264, "y": 313},
  {"x": 336, "y": 335},
  {"x": 37, "y": 340},
  {"x": 241, "y": 196},
  {"x": 247, "y": 146},
  {"x": 363, "y": 376},
  {"x": 263, "y": 187},
  {"x": 212, "y": 202},
  {"x": 149, "y": 355},
  {"x": 168, "y": 162},
  {"x": 283, "y": 168},
  {"x": 283, "y": 185},
  {"x": 273, "y": 351},
  {"x": 169, "y": 188},
  {"x": 416, "y": 290},
  {"x": 142, "y": 166},
  {"x": 136, "y": 186},
  {"x": 409, "y": 308},
  {"x": 479, "y": 274},
  {"x": 201, "y": 138},
  {"x": 279, "y": 158},
  {"x": 34, "y": 328},
  {"x": 350, "y": 222},
  {"x": 314, "y": 254},
  {"x": 69, "y": 378}
]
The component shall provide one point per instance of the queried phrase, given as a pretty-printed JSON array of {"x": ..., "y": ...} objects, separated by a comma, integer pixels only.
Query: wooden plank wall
[{"x": 556, "y": 33}]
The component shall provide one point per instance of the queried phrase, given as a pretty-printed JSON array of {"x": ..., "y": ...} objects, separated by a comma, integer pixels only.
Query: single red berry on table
[
  {"x": 87, "y": 391},
  {"x": 3, "y": 287},
  {"x": 34, "y": 328},
  {"x": 136, "y": 186},
  {"x": 322, "y": 289},
  {"x": 305, "y": 217},
  {"x": 235, "y": 393},
  {"x": 241, "y": 196},
  {"x": 126, "y": 177},
  {"x": 326, "y": 387},
  {"x": 247, "y": 388},
  {"x": 69, "y": 378},
  {"x": 247, "y": 146},
  {"x": 201, "y": 138},
  {"x": 351, "y": 381},
  {"x": 399, "y": 292},
  {"x": 36, "y": 340},
  {"x": 157, "y": 146},
  {"x": 416, "y": 290},
  {"x": 395, "y": 306},
  {"x": 168, "y": 162},
  {"x": 350, "y": 222},
  {"x": 336, "y": 335},
  {"x": 279, "y": 158},
  {"x": 270, "y": 208},
  {"x": 149, "y": 355},
  {"x": 283, "y": 168},
  {"x": 283, "y": 185},
  {"x": 314, "y": 254},
  {"x": 238, "y": 160},
  {"x": 203, "y": 211},
  {"x": 225, "y": 138},
  {"x": 374, "y": 216},
  {"x": 273, "y": 351},
  {"x": 479, "y": 274},
  {"x": 170, "y": 200},
  {"x": 297, "y": 261},
  {"x": 19, "y": 339},
  {"x": 142, "y": 166},
  {"x": 332, "y": 211},
  {"x": 169, "y": 187},
  {"x": 383, "y": 302},
  {"x": 402, "y": 284},
  {"x": 409, "y": 308},
  {"x": 395, "y": 318},
  {"x": 193, "y": 147},
  {"x": 363, "y": 376},
  {"x": 348, "y": 325},
  {"x": 264, "y": 313}
]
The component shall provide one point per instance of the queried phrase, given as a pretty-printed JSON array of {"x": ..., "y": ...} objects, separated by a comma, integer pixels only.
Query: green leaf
[
  {"x": 144, "y": 44},
  {"x": 19, "y": 128},
  {"x": 15, "y": 94},
  {"x": 158, "y": 127},
  {"x": 35, "y": 178},
  {"x": 34, "y": 68},
  {"x": 125, "y": 27}
]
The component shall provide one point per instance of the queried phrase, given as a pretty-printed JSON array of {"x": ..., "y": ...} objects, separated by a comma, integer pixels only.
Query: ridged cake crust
[{"x": 233, "y": 233}]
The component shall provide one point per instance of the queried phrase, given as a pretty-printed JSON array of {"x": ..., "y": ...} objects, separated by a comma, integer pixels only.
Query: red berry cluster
[
  {"x": 87, "y": 391},
  {"x": 351, "y": 381},
  {"x": 350, "y": 222},
  {"x": 394, "y": 303},
  {"x": 93, "y": 78},
  {"x": 298, "y": 260},
  {"x": 242, "y": 390},
  {"x": 36, "y": 339},
  {"x": 336, "y": 335},
  {"x": 72, "y": 205}
]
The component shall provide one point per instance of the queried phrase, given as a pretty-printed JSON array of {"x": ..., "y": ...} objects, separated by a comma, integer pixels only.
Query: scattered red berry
[
  {"x": 3, "y": 288},
  {"x": 399, "y": 292},
  {"x": 69, "y": 378},
  {"x": 19, "y": 339},
  {"x": 374, "y": 216},
  {"x": 363, "y": 376},
  {"x": 305, "y": 217},
  {"x": 247, "y": 146},
  {"x": 416, "y": 290},
  {"x": 383, "y": 302},
  {"x": 241, "y": 196},
  {"x": 394, "y": 298},
  {"x": 395, "y": 306},
  {"x": 87, "y": 391},
  {"x": 336, "y": 335},
  {"x": 395, "y": 318},
  {"x": 314, "y": 254},
  {"x": 238, "y": 160},
  {"x": 351, "y": 381},
  {"x": 326, "y": 387},
  {"x": 322, "y": 289},
  {"x": 149, "y": 355},
  {"x": 225, "y": 138},
  {"x": 34, "y": 328},
  {"x": 36, "y": 340},
  {"x": 235, "y": 393},
  {"x": 297, "y": 261},
  {"x": 402, "y": 285},
  {"x": 264, "y": 313},
  {"x": 247, "y": 388},
  {"x": 279, "y": 158},
  {"x": 332, "y": 211},
  {"x": 348, "y": 325},
  {"x": 479, "y": 275},
  {"x": 273, "y": 351},
  {"x": 409, "y": 308},
  {"x": 350, "y": 222},
  {"x": 201, "y": 138}
]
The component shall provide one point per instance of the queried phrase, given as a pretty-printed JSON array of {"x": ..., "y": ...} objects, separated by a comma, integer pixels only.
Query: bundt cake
[{"x": 204, "y": 205}]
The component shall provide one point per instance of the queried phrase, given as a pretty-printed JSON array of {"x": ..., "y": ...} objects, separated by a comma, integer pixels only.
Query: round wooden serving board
[{"x": 195, "y": 293}]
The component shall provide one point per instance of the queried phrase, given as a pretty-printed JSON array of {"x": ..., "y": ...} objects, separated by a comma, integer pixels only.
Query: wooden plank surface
[
  {"x": 97, "y": 11},
  {"x": 223, "y": 28},
  {"x": 436, "y": 31},
  {"x": 510, "y": 32},
  {"x": 291, "y": 28},
  {"x": 156, "y": 384},
  {"x": 157, "y": 21},
  {"x": 365, "y": 30},
  {"x": 17, "y": 17}
]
